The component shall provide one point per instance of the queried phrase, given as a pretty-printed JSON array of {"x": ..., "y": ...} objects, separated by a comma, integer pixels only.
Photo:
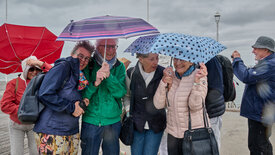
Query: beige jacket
[{"x": 182, "y": 93}]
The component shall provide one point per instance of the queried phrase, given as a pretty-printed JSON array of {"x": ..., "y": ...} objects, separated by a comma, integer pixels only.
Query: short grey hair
[
  {"x": 138, "y": 55},
  {"x": 99, "y": 40},
  {"x": 85, "y": 44}
]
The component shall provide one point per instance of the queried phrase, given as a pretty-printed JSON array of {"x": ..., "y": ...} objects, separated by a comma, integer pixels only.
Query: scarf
[
  {"x": 186, "y": 73},
  {"x": 99, "y": 59}
]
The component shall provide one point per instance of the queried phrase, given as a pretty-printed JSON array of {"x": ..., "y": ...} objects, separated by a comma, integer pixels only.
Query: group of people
[{"x": 92, "y": 84}]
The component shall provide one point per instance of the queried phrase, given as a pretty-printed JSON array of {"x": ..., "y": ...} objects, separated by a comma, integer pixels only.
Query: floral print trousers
[{"x": 54, "y": 144}]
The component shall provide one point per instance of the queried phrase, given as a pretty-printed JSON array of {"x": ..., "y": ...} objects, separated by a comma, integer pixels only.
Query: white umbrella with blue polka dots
[{"x": 185, "y": 47}]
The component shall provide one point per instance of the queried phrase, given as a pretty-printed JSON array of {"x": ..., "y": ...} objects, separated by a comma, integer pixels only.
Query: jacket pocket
[{"x": 63, "y": 122}]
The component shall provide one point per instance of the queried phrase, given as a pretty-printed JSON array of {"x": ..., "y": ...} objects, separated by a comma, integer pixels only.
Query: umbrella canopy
[
  {"x": 19, "y": 42},
  {"x": 106, "y": 27},
  {"x": 185, "y": 47}
]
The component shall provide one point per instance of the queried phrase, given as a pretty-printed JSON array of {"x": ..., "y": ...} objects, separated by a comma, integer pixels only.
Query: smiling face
[
  {"x": 260, "y": 53},
  {"x": 32, "y": 72},
  {"x": 181, "y": 66},
  {"x": 149, "y": 63},
  {"x": 111, "y": 47},
  {"x": 83, "y": 55}
]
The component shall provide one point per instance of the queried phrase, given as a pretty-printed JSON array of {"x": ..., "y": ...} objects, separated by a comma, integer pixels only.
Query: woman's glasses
[{"x": 81, "y": 56}]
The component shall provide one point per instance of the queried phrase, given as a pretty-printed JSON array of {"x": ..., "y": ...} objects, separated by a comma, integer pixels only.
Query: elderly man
[
  {"x": 259, "y": 93},
  {"x": 101, "y": 121}
]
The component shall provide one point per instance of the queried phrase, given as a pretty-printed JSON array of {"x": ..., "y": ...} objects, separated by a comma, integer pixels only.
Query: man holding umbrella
[{"x": 101, "y": 121}]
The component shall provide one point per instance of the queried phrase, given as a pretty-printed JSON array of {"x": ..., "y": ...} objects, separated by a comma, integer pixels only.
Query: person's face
[
  {"x": 260, "y": 53},
  {"x": 150, "y": 63},
  {"x": 181, "y": 66},
  {"x": 83, "y": 55},
  {"x": 111, "y": 47},
  {"x": 33, "y": 71}
]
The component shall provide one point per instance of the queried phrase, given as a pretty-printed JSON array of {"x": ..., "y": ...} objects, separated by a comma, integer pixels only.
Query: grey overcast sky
[{"x": 241, "y": 23}]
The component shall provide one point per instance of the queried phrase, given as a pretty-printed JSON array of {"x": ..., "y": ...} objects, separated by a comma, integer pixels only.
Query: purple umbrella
[{"x": 106, "y": 27}]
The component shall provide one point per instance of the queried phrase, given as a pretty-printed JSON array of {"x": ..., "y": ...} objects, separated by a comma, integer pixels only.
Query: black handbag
[
  {"x": 127, "y": 130},
  {"x": 127, "y": 124},
  {"x": 199, "y": 141}
]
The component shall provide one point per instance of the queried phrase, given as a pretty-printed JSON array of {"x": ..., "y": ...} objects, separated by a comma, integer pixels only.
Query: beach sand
[{"x": 233, "y": 135}]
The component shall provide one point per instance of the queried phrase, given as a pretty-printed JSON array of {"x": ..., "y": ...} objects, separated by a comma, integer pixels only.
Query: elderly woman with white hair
[{"x": 10, "y": 103}]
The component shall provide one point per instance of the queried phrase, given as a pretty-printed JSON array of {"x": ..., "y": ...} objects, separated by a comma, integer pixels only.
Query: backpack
[
  {"x": 229, "y": 92},
  {"x": 30, "y": 106}
]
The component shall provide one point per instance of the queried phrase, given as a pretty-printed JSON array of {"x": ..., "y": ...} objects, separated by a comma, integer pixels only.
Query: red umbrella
[{"x": 18, "y": 42}]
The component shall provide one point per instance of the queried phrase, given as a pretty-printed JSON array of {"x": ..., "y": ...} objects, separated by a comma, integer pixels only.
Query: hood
[
  {"x": 74, "y": 63},
  {"x": 26, "y": 67}
]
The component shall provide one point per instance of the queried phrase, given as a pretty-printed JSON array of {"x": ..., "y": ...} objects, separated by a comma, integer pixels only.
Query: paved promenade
[{"x": 234, "y": 133}]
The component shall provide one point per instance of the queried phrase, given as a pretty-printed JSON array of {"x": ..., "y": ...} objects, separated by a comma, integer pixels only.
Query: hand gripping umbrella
[
  {"x": 185, "y": 47},
  {"x": 106, "y": 27},
  {"x": 18, "y": 42}
]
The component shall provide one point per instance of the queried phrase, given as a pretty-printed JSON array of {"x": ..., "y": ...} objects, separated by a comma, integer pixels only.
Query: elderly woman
[
  {"x": 186, "y": 87},
  {"x": 149, "y": 122},
  {"x": 10, "y": 104}
]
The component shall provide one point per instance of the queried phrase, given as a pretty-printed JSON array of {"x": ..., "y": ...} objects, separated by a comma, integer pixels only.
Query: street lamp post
[
  {"x": 147, "y": 10},
  {"x": 217, "y": 19}
]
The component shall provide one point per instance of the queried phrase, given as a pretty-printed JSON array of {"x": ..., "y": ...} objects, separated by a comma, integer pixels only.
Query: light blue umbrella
[{"x": 185, "y": 47}]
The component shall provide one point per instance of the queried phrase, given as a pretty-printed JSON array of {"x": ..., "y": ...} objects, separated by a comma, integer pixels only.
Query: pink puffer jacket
[{"x": 182, "y": 93}]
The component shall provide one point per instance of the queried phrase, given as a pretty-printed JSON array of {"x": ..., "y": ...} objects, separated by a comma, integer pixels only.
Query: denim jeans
[
  {"x": 17, "y": 136},
  {"x": 216, "y": 125},
  {"x": 146, "y": 142},
  {"x": 92, "y": 136},
  {"x": 258, "y": 139}
]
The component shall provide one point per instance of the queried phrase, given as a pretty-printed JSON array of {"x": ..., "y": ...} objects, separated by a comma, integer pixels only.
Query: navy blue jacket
[
  {"x": 214, "y": 100},
  {"x": 259, "y": 88},
  {"x": 59, "y": 99}
]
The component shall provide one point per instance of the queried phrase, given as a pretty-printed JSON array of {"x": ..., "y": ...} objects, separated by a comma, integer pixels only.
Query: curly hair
[{"x": 84, "y": 44}]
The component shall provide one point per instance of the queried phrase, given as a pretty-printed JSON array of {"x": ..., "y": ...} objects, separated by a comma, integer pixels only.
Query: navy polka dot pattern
[{"x": 185, "y": 47}]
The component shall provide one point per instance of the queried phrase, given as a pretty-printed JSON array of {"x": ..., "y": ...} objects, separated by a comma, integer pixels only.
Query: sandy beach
[{"x": 234, "y": 133}]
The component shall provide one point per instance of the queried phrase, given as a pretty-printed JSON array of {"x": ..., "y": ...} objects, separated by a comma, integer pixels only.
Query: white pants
[
  {"x": 163, "y": 144},
  {"x": 17, "y": 136},
  {"x": 216, "y": 124}
]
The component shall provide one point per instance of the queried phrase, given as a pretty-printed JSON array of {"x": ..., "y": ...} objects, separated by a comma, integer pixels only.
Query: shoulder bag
[{"x": 200, "y": 141}]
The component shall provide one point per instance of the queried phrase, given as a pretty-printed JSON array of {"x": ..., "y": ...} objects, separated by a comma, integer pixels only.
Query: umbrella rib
[
  {"x": 11, "y": 43},
  {"x": 39, "y": 41},
  {"x": 51, "y": 53},
  {"x": 8, "y": 61},
  {"x": 9, "y": 66}
]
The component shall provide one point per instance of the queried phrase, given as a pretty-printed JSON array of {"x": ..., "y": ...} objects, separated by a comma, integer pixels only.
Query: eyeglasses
[
  {"x": 34, "y": 68},
  {"x": 82, "y": 57},
  {"x": 109, "y": 46}
]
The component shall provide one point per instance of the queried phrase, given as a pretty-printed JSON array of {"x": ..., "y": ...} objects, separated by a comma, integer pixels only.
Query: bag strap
[
  {"x": 205, "y": 120},
  {"x": 16, "y": 84},
  {"x": 131, "y": 104}
]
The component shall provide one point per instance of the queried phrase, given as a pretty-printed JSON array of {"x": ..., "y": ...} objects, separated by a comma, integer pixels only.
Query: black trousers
[
  {"x": 258, "y": 138},
  {"x": 174, "y": 145}
]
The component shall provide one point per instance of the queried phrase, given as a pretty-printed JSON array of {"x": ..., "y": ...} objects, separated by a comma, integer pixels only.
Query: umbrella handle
[{"x": 104, "y": 57}]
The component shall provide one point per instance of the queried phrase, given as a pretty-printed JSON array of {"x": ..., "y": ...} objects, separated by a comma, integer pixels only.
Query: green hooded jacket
[{"x": 105, "y": 100}]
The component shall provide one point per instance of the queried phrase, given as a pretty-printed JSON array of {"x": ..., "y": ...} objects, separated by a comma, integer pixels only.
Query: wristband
[{"x": 196, "y": 84}]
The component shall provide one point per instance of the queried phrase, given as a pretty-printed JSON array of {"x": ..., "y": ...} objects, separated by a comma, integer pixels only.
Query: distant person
[
  {"x": 57, "y": 129},
  {"x": 101, "y": 121},
  {"x": 149, "y": 122},
  {"x": 214, "y": 102},
  {"x": 125, "y": 61},
  {"x": 187, "y": 87},
  {"x": 259, "y": 93},
  {"x": 10, "y": 104}
]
